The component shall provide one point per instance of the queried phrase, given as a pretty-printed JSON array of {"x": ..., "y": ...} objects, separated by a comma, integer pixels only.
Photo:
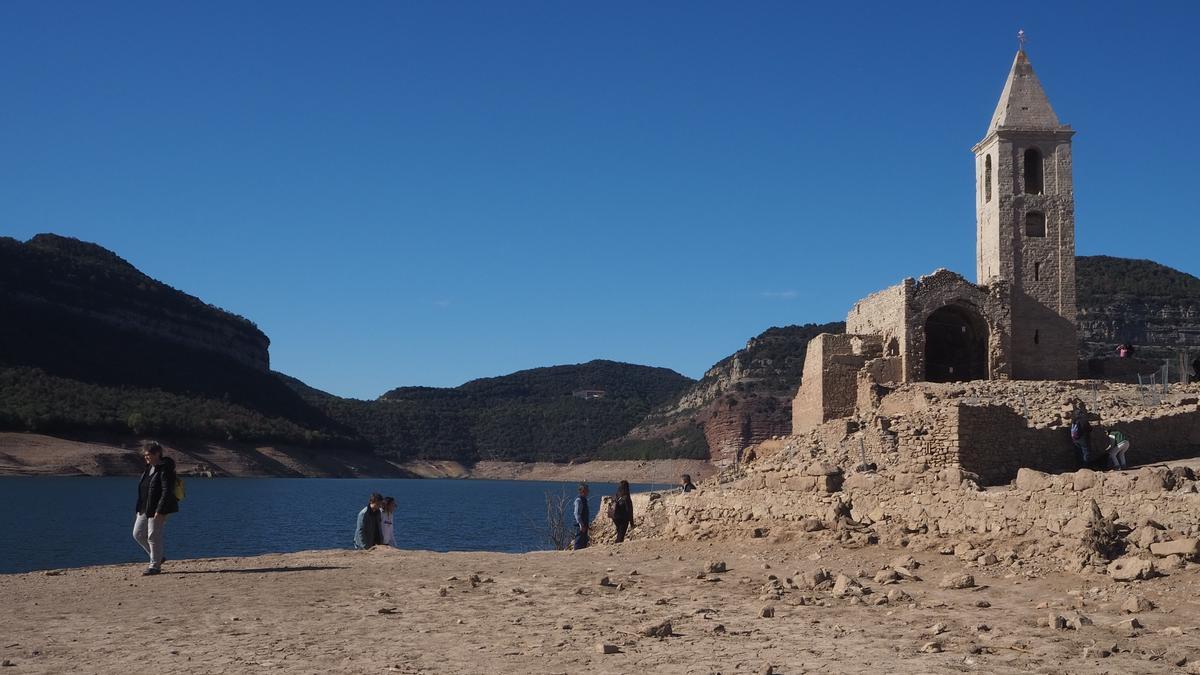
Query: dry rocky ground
[{"x": 767, "y": 589}]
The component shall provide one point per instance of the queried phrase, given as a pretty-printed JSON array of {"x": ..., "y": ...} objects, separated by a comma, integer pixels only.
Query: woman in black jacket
[
  {"x": 622, "y": 510},
  {"x": 156, "y": 500}
]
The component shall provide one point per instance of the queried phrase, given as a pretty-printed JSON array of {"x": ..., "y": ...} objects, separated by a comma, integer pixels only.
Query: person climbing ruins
[
  {"x": 620, "y": 510},
  {"x": 1118, "y": 445},
  {"x": 687, "y": 486},
  {"x": 1081, "y": 433}
]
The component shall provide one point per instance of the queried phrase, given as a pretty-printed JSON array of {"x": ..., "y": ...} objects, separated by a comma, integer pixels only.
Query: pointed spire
[{"x": 1023, "y": 103}]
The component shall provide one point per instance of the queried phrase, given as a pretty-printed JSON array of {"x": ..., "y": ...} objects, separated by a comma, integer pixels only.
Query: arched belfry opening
[
  {"x": 956, "y": 345},
  {"x": 1033, "y": 171}
]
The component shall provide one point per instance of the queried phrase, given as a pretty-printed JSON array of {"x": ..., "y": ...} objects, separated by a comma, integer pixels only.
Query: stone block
[
  {"x": 1083, "y": 480},
  {"x": 801, "y": 483},
  {"x": 1153, "y": 480},
  {"x": 822, "y": 469},
  {"x": 1031, "y": 480},
  {"x": 1187, "y": 548}
]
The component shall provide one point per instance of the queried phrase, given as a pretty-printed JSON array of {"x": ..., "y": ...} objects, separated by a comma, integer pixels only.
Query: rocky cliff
[
  {"x": 54, "y": 283},
  {"x": 743, "y": 399},
  {"x": 1152, "y": 306}
]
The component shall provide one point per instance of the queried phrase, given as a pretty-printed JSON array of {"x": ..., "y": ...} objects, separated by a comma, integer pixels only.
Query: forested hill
[
  {"x": 557, "y": 413},
  {"x": 1152, "y": 306},
  {"x": 90, "y": 345}
]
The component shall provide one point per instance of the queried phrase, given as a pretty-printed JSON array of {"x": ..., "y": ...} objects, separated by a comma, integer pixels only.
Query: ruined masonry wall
[
  {"x": 996, "y": 442},
  {"x": 941, "y": 504},
  {"x": 882, "y": 314},
  {"x": 829, "y": 386}
]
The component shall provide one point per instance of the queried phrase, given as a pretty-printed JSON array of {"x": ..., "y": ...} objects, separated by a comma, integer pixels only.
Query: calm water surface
[{"x": 69, "y": 522}]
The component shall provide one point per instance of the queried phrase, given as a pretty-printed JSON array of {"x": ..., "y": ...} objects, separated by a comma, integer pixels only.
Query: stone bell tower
[{"x": 1025, "y": 214}]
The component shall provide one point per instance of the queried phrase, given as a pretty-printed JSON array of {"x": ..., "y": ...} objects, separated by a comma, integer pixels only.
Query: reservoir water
[{"x": 48, "y": 523}]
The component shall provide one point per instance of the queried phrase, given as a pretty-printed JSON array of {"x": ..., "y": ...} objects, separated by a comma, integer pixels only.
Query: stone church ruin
[{"x": 889, "y": 378}]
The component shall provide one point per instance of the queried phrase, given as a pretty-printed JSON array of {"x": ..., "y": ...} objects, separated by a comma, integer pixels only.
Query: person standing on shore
[
  {"x": 387, "y": 526},
  {"x": 622, "y": 510},
  {"x": 369, "y": 531},
  {"x": 687, "y": 483},
  {"x": 156, "y": 500},
  {"x": 583, "y": 518}
]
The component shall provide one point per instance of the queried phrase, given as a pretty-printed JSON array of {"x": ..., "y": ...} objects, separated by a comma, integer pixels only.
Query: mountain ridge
[{"x": 93, "y": 345}]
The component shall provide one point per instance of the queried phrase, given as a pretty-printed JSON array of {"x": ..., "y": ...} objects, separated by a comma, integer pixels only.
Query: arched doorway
[{"x": 955, "y": 345}]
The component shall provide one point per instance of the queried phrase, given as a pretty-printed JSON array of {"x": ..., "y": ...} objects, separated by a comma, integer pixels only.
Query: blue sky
[{"x": 403, "y": 193}]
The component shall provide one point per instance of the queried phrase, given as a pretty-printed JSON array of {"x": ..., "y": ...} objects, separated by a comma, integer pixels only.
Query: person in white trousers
[{"x": 156, "y": 500}]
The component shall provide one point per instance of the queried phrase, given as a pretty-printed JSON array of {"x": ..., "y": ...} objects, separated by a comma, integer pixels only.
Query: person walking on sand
[
  {"x": 622, "y": 510},
  {"x": 1118, "y": 445},
  {"x": 687, "y": 483},
  {"x": 582, "y": 518},
  {"x": 387, "y": 527},
  {"x": 369, "y": 531},
  {"x": 156, "y": 500}
]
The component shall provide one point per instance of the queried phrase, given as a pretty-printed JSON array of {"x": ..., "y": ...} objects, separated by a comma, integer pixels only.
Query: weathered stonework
[
  {"x": 831, "y": 366},
  {"x": 1025, "y": 209},
  {"x": 1018, "y": 321}
]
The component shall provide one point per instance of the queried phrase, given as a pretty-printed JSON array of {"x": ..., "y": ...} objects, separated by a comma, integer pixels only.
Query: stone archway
[{"x": 956, "y": 345}]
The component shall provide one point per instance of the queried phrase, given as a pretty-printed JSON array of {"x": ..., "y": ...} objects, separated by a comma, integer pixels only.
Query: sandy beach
[{"x": 389, "y": 610}]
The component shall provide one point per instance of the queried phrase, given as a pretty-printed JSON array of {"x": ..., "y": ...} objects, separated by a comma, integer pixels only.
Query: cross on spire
[{"x": 1021, "y": 40}]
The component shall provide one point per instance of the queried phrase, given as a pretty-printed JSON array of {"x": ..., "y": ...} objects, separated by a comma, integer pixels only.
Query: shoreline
[{"x": 34, "y": 455}]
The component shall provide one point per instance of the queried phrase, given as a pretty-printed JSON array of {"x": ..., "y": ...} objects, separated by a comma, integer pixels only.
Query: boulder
[
  {"x": 1083, "y": 480},
  {"x": 823, "y": 469},
  {"x": 811, "y": 525},
  {"x": 661, "y": 629},
  {"x": 811, "y": 579},
  {"x": 1031, "y": 480},
  {"x": 957, "y": 581},
  {"x": 1130, "y": 569},
  {"x": 846, "y": 585},
  {"x": 888, "y": 576},
  {"x": 1154, "y": 480},
  {"x": 1136, "y": 604}
]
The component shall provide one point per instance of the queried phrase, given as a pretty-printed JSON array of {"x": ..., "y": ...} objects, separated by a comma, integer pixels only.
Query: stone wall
[
  {"x": 780, "y": 501},
  {"x": 883, "y": 314},
  {"x": 829, "y": 387},
  {"x": 944, "y": 288},
  {"x": 995, "y": 442},
  {"x": 995, "y": 428}
]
